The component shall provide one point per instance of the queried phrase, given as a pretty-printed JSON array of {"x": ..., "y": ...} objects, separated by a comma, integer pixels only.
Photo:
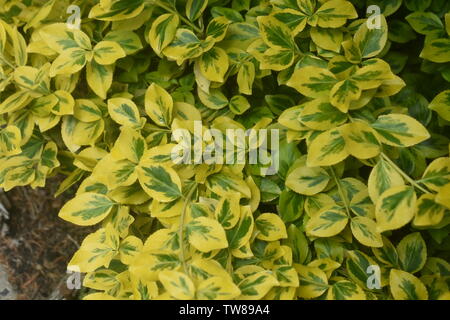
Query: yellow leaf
[
  {"x": 159, "y": 105},
  {"x": 217, "y": 288},
  {"x": 270, "y": 227},
  {"x": 327, "y": 223},
  {"x": 177, "y": 284},
  {"x": 405, "y": 286},
  {"x": 307, "y": 180},
  {"x": 108, "y": 52},
  {"x": 206, "y": 234},
  {"x": 163, "y": 31},
  {"x": 395, "y": 208},
  {"x": 86, "y": 209}
]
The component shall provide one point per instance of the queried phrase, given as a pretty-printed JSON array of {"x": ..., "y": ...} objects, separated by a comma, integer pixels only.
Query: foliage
[{"x": 364, "y": 115}]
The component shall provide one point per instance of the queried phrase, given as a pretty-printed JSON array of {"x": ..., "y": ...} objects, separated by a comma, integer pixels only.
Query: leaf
[
  {"x": 129, "y": 249},
  {"x": 120, "y": 173},
  {"x": 405, "y": 286},
  {"x": 358, "y": 265},
  {"x": 68, "y": 62},
  {"x": 327, "y": 223},
  {"x": 274, "y": 33},
  {"x": 96, "y": 250},
  {"x": 437, "y": 50},
  {"x": 441, "y": 104},
  {"x": 214, "y": 64},
  {"x": 222, "y": 184},
  {"x": 20, "y": 47},
  {"x": 334, "y": 13},
  {"x": 425, "y": 22},
  {"x": 345, "y": 290},
  {"x": 108, "y": 52},
  {"x": 256, "y": 286},
  {"x": 129, "y": 41},
  {"x": 437, "y": 174},
  {"x": 10, "y": 139},
  {"x": 361, "y": 140},
  {"x": 371, "y": 42},
  {"x": 217, "y": 288},
  {"x": 287, "y": 276},
  {"x": 99, "y": 78},
  {"x": 239, "y": 104},
  {"x": 400, "y": 130},
  {"x": 412, "y": 252},
  {"x": 327, "y": 149},
  {"x": 14, "y": 102},
  {"x": 217, "y": 29},
  {"x": 395, "y": 208},
  {"x": 241, "y": 233},
  {"x": 383, "y": 177},
  {"x": 86, "y": 110},
  {"x": 228, "y": 211},
  {"x": 344, "y": 93},
  {"x": 428, "y": 212},
  {"x": 313, "y": 82},
  {"x": 246, "y": 77},
  {"x": 159, "y": 105},
  {"x": 86, "y": 209},
  {"x": 163, "y": 32},
  {"x": 308, "y": 181},
  {"x": 65, "y": 104},
  {"x": 313, "y": 282},
  {"x": 177, "y": 284},
  {"x": 160, "y": 182},
  {"x": 195, "y": 8},
  {"x": 328, "y": 39},
  {"x": 214, "y": 99},
  {"x": 365, "y": 231},
  {"x": 320, "y": 114},
  {"x": 185, "y": 45},
  {"x": 290, "y": 205},
  {"x": 387, "y": 254},
  {"x": 270, "y": 227},
  {"x": 124, "y": 112},
  {"x": 206, "y": 234},
  {"x": 129, "y": 145}
]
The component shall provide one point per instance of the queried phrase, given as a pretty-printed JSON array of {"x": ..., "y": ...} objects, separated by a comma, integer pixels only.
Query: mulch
[{"x": 36, "y": 245}]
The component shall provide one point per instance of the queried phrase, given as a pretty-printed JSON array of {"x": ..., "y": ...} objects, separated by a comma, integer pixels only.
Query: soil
[{"x": 35, "y": 244}]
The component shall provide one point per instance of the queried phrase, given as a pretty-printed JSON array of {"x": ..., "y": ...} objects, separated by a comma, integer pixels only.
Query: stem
[
  {"x": 341, "y": 192},
  {"x": 169, "y": 9},
  {"x": 181, "y": 227},
  {"x": 403, "y": 174}
]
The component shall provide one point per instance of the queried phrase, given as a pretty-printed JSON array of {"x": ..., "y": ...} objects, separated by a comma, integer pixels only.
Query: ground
[{"x": 35, "y": 244}]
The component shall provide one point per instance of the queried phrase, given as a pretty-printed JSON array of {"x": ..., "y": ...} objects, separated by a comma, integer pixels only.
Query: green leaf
[
  {"x": 425, "y": 22},
  {"x": 412, "y": 252}
]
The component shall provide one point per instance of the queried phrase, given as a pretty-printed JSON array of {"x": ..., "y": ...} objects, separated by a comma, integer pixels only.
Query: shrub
[{"x": 348, "y": 114}]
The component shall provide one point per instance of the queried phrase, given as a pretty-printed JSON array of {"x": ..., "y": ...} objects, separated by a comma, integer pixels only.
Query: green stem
[
  {"x": 187, "y": 200},
  {"x": 403, "y": 174},
  {"x": 169, "y": 9},
  {"x": 341, "y": 192}
]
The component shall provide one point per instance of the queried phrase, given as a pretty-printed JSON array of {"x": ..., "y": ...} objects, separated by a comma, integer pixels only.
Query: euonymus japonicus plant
[{"x": 98, "y": 91}]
